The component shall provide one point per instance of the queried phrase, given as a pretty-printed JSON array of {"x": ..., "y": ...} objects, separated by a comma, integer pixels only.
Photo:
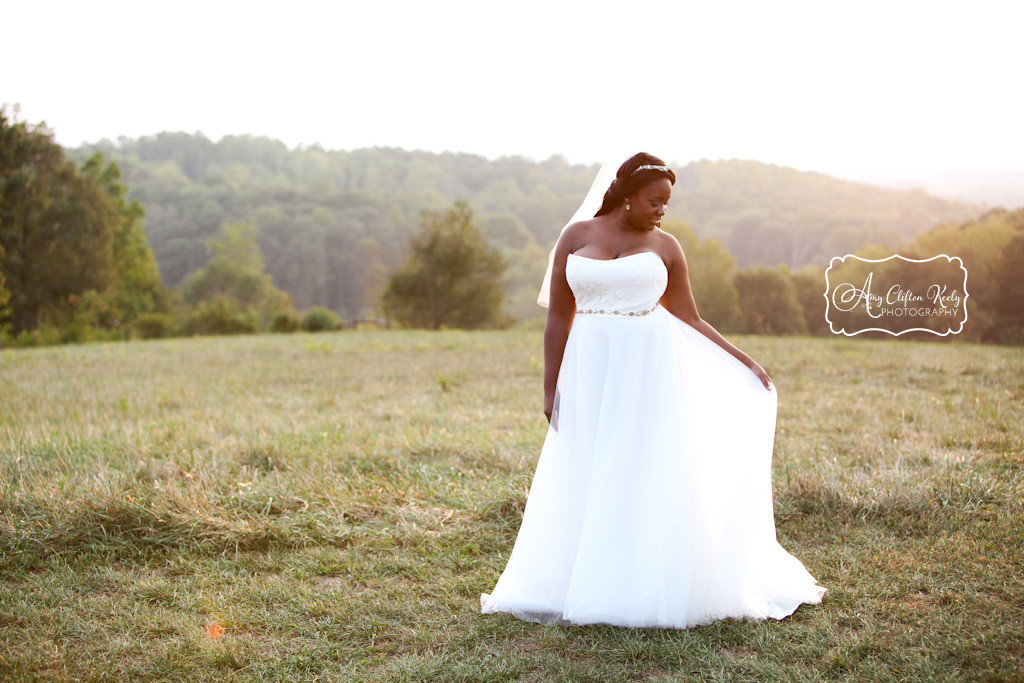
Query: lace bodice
[{"x": 627, "y": 285}]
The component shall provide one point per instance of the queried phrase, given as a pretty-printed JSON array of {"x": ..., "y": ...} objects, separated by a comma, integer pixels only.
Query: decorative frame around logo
[{"x": 842, "y": 259}]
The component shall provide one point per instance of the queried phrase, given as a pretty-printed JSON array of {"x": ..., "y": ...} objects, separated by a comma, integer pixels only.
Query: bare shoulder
[
  {"x": 668, "y": 248},
  {"x": 581, "y": 228},
  {"x": 575, "y": 235}
]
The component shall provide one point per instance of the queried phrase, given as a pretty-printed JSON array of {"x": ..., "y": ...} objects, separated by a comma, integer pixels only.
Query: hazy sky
[{"x": 852, "y": 88}]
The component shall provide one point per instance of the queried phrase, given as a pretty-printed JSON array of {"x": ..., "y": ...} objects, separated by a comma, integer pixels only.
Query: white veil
[{"x": 587, "y": 209}]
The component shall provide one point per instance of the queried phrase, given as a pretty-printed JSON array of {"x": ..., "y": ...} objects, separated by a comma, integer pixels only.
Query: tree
[
  {"x": 137, "y": 288},
  {"x": 809, "y": 283},
  {"x": 235, "y": 277},
  {"x": 769, "y": 301},
  {"x": 1009, "y": 306},
  {"x": 986, "y": 247},
  {"x": 319, "y": 319},
  {"x": 451, "y": 277},
  {"x": 5, "y": 296},
  {"x": 711, "y": 268},
  {"x": 55, "y": 226}
]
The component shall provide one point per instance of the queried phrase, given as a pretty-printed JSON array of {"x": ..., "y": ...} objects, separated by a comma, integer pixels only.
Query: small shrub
[
  {"x": 221, "y": 315},
  {"x": 25, "y": 339},
  {"x": 320, "y": 320},
  {"x": 154, "y": 326},
  {"x": 79, "y": 332},
  {"x": 45, "y": 335},
  {"x": 285, "y": 321}
]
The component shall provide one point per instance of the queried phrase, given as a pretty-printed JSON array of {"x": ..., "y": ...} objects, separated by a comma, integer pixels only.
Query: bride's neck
[{"x": 620, "y": 218}]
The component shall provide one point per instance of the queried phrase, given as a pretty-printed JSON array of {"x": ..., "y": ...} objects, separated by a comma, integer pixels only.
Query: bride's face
[{"x": 647, "y": 205}]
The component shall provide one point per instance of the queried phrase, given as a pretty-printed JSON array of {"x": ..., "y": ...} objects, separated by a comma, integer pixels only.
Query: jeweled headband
[{"x": 650, "y": 167}]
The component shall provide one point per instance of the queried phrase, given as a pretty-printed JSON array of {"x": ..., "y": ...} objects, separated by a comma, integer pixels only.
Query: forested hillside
[
  {"x": 333, "y": 224},
  {"x": 767, "y": 215}
]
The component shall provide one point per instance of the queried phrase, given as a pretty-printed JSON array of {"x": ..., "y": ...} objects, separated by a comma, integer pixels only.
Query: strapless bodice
[{"x": 627, "y": 285}]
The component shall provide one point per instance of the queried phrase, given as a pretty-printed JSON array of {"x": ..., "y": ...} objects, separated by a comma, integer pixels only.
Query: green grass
[{"x": 337, "y": 502}]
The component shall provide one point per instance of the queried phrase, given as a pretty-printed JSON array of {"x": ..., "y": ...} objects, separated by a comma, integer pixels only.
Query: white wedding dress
[{"x": 651, "y": 504}]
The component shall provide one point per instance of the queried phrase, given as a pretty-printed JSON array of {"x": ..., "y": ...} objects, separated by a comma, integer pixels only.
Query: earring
[{"x": 627, "y": 206}]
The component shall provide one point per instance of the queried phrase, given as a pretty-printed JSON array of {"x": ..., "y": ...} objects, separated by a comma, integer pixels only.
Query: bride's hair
[{"x": 636, "y": 172}]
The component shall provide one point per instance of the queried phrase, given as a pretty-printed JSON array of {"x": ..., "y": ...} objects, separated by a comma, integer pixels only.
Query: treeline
[
  {"x": 781, "y": 301},
  {"x": 767, "y": 215},
  {"x": 76, "y": 264},
  {"x": 332, "y": 224},
  {"x": 248, "y": 234},
  {"x": 992, "y": 250}
]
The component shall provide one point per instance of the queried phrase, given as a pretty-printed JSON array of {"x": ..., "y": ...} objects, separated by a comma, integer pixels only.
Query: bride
[{"x": 651, "y": 504}]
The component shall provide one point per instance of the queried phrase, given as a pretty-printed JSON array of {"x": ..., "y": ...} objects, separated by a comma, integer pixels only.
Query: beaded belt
[{"x": 592, "y": 311}]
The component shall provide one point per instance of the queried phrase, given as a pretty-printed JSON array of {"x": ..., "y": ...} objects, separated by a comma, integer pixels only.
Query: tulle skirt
[{"x": 651, "y": 504}]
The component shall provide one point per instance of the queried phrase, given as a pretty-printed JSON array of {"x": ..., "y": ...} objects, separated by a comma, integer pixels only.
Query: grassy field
[{"x": 330, "y": 506}]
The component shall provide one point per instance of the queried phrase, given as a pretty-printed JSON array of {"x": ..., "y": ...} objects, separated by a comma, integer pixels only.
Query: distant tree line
[
  {"x": 247, "y": 233},
  {"x": 780, "y": 301},
  {"x": 332, "y": 225},
  {"x": 76, "y": 264},
  {"x": 770, "y": 215}
]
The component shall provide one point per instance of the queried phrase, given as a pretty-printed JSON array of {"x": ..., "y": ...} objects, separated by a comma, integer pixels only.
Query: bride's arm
[
  {"x": 561, "y": 310},
  {"x": 678, "y": 300}
]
